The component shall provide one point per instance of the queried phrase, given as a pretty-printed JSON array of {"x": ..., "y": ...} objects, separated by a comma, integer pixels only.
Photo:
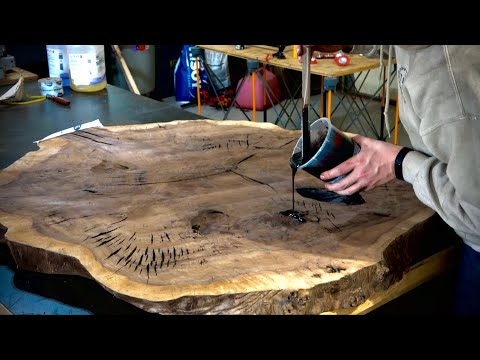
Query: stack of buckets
[{"x": 82, "y": 67}]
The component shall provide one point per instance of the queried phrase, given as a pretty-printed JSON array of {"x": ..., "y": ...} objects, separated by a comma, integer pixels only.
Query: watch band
[{"x": 399, "y": 161}]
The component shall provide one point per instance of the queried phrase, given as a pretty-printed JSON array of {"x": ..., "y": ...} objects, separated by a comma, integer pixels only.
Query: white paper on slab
[
  {"x": 11, "y": 92},
  {"x": 95, "y": 123}
]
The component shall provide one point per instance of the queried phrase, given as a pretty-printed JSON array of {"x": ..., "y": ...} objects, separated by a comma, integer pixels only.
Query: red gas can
[{"x": 245, "y": 99}]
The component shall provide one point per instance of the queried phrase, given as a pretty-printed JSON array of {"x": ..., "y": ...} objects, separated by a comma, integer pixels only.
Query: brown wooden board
[
  {"x": 183, "y": 218},
  {"x": 12, "y": 76}
]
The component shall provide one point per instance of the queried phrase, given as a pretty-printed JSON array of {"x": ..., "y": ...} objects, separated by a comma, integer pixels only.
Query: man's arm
[
  {"x": 452, "y": 190},
  {"x": 444, "y": 89}
]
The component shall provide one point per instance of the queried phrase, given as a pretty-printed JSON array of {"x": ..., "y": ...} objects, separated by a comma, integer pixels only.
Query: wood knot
[
  {"x": 296, "y": 301},
  {"x": 335, "y": 269},
  {"x": 354, "y": 301}
]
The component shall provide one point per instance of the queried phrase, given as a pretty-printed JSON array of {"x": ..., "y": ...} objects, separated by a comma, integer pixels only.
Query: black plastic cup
[{"x": 330, "y": 147}]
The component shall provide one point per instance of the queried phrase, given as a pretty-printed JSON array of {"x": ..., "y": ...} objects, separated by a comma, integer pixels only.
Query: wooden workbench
[
  {"x": 11, "y": 77},
  {"x": 184, "y": 218},
  {"x": 323, "y": 67}
]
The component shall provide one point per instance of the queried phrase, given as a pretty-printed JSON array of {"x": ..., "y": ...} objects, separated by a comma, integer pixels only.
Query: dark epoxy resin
[
  {"x": 295, "y": 162},
  {"x": 317, "y": 194},
  {"x": 295, "y": 214},
  {"x": 331, "y": 197}
]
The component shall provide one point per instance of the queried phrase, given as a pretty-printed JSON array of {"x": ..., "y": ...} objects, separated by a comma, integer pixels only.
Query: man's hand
[
  {"x": 374, "y": 165},
  {"x": 322, "y": 48}
]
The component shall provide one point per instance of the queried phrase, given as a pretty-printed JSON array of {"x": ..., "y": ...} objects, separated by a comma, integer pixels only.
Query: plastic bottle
[
  {"x": 87, "y": 67},
  {"x": 58, "y": 63}
]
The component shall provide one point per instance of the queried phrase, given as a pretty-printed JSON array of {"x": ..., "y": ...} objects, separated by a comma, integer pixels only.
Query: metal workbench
[{"x": 21, "y": 125}]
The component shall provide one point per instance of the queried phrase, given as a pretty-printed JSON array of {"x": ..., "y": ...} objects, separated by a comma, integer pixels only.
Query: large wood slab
[{"x": 183, "y": 218}]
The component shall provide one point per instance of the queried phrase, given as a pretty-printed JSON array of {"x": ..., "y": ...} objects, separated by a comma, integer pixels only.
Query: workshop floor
[{"x": 359, "y": 125}]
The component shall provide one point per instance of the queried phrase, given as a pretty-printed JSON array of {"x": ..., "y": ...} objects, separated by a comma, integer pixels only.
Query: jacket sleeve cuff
[{"x": 411, "y": 165}]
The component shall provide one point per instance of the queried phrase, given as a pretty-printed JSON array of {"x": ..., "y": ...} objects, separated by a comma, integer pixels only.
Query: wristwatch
[{"x": 399, "y": 161}]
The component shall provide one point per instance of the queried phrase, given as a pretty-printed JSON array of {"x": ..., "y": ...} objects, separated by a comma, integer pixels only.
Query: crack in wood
[
  {"x": 130, "y": 255},
  {"x": 106, "y": 241},
  {"x": 70, "y": 218},
  {"x": 86, "y": 137},
  {"x": 108, "y": 238},
  {"x": 287, "y": 143},
  {"x": 132, "y": 236},
  {"x": 101, "y": 239},
  {"x": 119, "y": 242},
  {"x": 174, "y": 181},
  {"x": 249, "y": 178},
  {"x": 210, "y": 146},
  {"x": 90, "y": 133},
  {"x": 139, "y": 263},
  {"x": 334, "y": 224},
  {"x": 119, "y": 221},
  {"x": 106, "y": 232},
  {"x": 93, "y": 227},
  {"x": 91, "y": 191},
  {"x": 248, "y": 157},
  {"x": 381, "y": 214},
  {"x": 259, "y": 140},
  {"x": 113, "y": 253}
]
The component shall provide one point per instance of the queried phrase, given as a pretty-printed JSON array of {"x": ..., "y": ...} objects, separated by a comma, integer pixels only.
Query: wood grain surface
[{"x": 184, "y": 218}]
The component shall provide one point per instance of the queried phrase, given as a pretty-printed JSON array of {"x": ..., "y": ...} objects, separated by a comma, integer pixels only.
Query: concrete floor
[{"x": 354, "y": 121}]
